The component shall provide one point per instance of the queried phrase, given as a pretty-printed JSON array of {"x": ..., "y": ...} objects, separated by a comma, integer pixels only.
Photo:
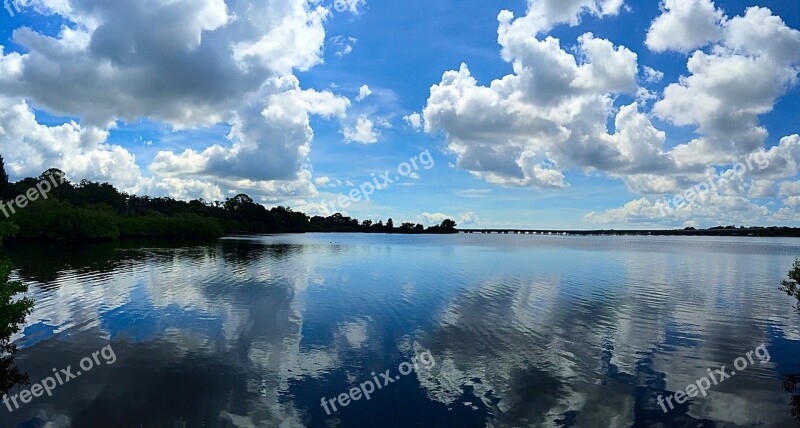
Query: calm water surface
[{"x": 520, "y": 331}]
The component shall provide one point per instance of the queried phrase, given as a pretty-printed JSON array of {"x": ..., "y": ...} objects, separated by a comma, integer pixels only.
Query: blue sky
[{"x": 211, "y": 98}]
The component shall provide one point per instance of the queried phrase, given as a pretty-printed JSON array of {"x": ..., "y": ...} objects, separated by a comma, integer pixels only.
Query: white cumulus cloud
[{"x": 362, "y": 132}]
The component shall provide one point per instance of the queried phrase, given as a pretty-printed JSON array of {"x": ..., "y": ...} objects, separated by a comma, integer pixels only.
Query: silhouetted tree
[
  {"x": 447, "y": 226},
  {"x": 56, "y": 174},
  {"x": 407, "y": 228},
  {"x": 5, "y": 187},
  {"x": 238, "y": 202}
]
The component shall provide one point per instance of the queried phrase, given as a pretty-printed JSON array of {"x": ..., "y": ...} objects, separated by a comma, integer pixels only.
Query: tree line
[{"x": 90, "y": 210}]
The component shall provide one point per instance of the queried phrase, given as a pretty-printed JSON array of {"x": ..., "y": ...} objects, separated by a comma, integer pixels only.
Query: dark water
[{"x": 503, "y": 330}]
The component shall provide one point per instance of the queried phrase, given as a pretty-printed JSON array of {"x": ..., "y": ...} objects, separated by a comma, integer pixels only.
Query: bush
[
  {"x": 12, "y": 315},
  {"x": 189, "y": 225},
  {"x": 792, "y": 285},
  {"x": 55, "y": 221}
]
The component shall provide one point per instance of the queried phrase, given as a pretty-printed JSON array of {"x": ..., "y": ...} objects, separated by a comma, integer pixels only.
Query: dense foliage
[
  {"x": 96, "y": 211},
  {"x": 13, "y": 312}
]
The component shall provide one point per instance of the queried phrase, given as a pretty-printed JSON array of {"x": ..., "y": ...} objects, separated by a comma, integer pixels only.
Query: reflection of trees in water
[
  {"x": 10, "y": 375},
  {"x": 45, "y": 262},
  {"x": 12, "y": 316},
  {"x": 791, "y": 384},
  {"x": 243, "y": 252},
  {"x": 240, "y": 252}
]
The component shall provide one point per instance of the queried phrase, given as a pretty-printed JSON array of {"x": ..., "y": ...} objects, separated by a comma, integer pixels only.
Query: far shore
[{"x": 773, "y": 232}]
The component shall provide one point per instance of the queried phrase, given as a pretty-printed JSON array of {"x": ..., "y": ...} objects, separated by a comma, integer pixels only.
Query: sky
[{"x": 562, "y": 114}]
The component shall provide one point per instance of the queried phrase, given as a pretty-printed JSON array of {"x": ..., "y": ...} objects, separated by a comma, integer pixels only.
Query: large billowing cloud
[
  {"x": 748, "y": 63},
  {"x": 184, "y": 63},
  {"x": 742, "y": 75},
  {"x": 526, "y": 128},
  {"x": 30, "y": 148},
  {"x": 738, "y": 199},
  {"x": 271, "y": 134},
  {"x": 550, "y": 115}
]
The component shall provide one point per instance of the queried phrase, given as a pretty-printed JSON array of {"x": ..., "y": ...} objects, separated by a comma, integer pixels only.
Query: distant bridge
[{"x": 540, "y": 232}]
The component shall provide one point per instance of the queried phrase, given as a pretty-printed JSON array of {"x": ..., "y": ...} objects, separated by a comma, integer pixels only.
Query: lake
[{"x": 461, "y": 330}]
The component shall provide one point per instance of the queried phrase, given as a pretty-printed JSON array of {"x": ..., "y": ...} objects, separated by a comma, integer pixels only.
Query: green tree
[
  {"x": 791, "y": 286},
  {"x": 12, "y": 315}
]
